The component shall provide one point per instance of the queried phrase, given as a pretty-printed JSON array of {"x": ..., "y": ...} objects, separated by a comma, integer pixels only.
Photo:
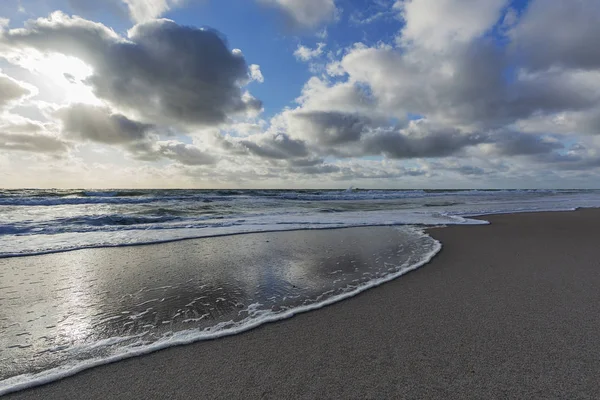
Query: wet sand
[{"x": 509, "y": 310}]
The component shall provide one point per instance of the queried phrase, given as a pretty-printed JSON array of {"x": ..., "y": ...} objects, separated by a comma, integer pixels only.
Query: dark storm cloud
[
  {"x": 98, "y": 124},
  {"x": 166, "y": 72}
]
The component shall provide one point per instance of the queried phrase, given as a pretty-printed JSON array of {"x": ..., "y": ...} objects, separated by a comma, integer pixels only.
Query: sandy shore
[{"x": 509, "y": 310}]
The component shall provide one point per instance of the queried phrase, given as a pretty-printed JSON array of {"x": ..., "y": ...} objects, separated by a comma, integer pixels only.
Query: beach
[{"x": 507, "y": 310}]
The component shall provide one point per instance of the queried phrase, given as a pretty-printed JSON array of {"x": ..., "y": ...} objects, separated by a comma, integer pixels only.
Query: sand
[{"x": 509, "y": 310}]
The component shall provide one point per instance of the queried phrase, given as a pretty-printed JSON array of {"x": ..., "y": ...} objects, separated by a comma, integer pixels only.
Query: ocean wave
[
  {"x": 80, "y": 197},
  {"x": 105, "y": 219},
  {"x": 118, "y": 219},
  {"x": 61, "y": 225},
  {"x": 73, "y": 238}
]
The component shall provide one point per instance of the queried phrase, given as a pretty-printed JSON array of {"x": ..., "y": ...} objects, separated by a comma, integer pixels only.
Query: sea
[{"x": 89, "y": 277}]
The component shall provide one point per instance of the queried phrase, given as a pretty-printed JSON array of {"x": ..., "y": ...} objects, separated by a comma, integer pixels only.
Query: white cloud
[
  {"x": 145, "y": 10},
  {"x": 256, "y": 74},
  {"x": 321, "y": 95},
  {"x": 322, "y": 34},
  {"x": 437, "y": 24},
  {"x": 304, "y": 53}
]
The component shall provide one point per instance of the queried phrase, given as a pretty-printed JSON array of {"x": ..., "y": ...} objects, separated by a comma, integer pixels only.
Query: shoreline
[
  {"x": 315, "y": 247},
  {"x": 326, "y": 323},
  {"x": 425, "y": 227}
]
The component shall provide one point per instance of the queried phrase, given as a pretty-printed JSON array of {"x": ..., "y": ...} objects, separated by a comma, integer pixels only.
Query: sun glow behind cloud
[{"x": 66, "y": 73}]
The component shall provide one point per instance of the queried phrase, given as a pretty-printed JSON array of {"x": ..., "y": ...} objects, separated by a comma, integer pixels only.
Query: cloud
[
  {"x": 359, "y": 17},
  {"x": 146, "y": 10},
  {"x": 138, "y": 10},
  {"x": 161, "y": 73},
  {"x": 83, "y": 122},
  {"x": 305, "y": 14},
  {"x": 304, "y": 53},
  {"x": 368, "y": 170},
  {"x": 417, "y": 141},
  {"x": 437, "y": 24},
  {"x": 467, "y": 88},
  {"x": 277, "y": 146},
  {"x": 572, "y": 40},
  {"x": 315, "y": 169},
  {"x": 183, "y": 153},
  {"x": 30, "y": 136},
  {"x": 436, "y": 95},
  {"x": 349, "y": 97},
  {"x": 578, "y": 157},
  {"x": 99, "y": 124},
  {"x": 469, "y": 170},
  {"x": 346, "y": 135},
  {"x": 12, "y": 90},
  {"x": 268, "y": 145},
  {"x": 516, "y": 143},
  {"x": 256, "y": 74},
  {"x": 32, "y": 143},
  {"x": 329, "y": 128},
  {"x": 318, "y": 134}
]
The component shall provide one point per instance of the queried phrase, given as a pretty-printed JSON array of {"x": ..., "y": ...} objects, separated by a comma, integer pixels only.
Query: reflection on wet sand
[{"x": 87, "y": 304}]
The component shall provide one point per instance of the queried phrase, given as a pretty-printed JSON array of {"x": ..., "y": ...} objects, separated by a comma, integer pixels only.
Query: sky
[{"x": 299, "y": 93}]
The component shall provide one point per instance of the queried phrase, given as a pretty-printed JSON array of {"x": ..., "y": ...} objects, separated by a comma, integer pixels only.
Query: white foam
[
  {"x": 14, "y": 246},
  {"x": 34, "y": 230},
  {"x": 256, "y": 317}
]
